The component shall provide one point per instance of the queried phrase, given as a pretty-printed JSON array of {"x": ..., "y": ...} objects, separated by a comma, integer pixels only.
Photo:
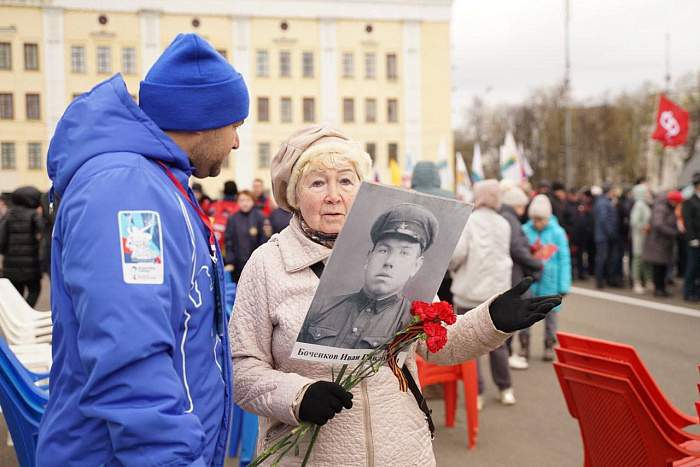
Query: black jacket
[
  {"x": 691, "y": 218},
  {"x": 279, "y": 220},
  {"x": 244, "y": 233},
  {"x": 20, "y": 231},
  {"x": 524, "y": 264}
]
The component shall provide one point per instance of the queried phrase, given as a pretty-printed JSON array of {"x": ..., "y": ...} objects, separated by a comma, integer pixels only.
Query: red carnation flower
[
  {"x": 424, "y": 310},
  {"x": 437, "y": 336},
  {"x": 445, "y": 313}
]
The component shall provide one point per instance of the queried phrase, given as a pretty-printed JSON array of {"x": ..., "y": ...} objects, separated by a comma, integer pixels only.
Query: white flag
[
  {"x": 510, "y": 161},
  {"x": 477, "y": 165},
  {"x": 464, "y": 186},
  {"x": 525, "y": 165}
]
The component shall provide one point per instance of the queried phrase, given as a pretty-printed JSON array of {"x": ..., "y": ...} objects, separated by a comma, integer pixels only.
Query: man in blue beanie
[{"x": 141, "y": 369}]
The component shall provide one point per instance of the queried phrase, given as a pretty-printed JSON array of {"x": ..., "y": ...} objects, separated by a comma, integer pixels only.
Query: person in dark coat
[
  {"x": 558, "y": 199},
  {"x": 244, "y": 233},
  {"x": 279, "y": 220},
  {"x": 659, "y": 242},
  {"x": 515, "y": 202},
  {"x": 576, "y": 220},
  {"x": 691, "y": 219},
  {"x": 588, "y": 241},
  {"x": 624, "y": 243},
  {"x": 20, "y": 232},
  {"x": 606, "y": 237}
]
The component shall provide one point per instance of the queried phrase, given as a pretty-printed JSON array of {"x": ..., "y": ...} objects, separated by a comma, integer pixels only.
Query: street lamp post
[{"x": 567, "y": 100}]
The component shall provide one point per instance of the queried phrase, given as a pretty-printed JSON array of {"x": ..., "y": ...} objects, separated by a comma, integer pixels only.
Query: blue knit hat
[{"x": 191, "y": 87}]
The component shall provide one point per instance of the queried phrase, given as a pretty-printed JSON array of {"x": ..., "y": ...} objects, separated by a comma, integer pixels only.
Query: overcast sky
[{"x": 514, "y": 46}]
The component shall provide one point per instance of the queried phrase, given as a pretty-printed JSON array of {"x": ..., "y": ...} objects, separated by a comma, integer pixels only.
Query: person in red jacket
[{"x": 221, "y": 210}]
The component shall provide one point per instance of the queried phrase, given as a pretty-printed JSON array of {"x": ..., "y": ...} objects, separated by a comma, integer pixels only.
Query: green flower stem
[{"x": 311, "y": 445}]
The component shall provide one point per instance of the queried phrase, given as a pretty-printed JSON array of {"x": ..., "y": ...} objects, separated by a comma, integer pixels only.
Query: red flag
[{"x": 672, "y": 123}]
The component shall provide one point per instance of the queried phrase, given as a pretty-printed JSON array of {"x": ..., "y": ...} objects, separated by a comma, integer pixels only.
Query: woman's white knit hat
[{"x": 540, "y": 207}]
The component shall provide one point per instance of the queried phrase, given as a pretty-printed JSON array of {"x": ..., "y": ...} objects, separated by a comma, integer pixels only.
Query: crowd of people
[{"x": 631, "y": 236}]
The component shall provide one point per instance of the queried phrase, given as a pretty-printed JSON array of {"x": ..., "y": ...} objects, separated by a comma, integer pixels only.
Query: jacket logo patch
[{"x": 141, "y": 241}]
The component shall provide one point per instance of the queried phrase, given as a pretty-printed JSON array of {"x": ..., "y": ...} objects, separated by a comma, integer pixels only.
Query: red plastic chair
[
  {"x": 616, "y": 427},
  {"x": 627, "y": 353},
  {"x": 626, "y": 371},
  {"x": 448, "y": 376}
]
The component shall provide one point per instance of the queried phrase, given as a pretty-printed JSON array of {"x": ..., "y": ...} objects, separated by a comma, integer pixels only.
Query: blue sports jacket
[{"x": 141, "y": 369}]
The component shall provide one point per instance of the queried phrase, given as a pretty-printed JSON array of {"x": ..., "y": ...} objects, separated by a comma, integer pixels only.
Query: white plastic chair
[{"x": 15, "y": 305}]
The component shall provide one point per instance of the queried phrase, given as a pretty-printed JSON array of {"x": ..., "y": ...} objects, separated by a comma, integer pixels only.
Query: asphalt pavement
[{"x": 538, "y": 430}]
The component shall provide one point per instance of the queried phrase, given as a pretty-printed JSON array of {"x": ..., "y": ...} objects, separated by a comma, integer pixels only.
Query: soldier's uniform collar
[{"x": 378, "y": 306}]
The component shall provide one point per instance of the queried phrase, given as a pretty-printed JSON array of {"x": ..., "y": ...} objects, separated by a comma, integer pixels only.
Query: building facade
[{"x": 380, "y": 70}]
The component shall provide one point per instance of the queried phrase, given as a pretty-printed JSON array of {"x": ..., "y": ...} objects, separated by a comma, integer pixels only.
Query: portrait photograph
[{"x": 394, "y": 249}]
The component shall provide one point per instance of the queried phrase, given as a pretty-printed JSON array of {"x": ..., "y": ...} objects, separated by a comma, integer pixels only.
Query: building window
[
  {"x": 391, "y": 66},
  {"x": 5, "y": 56},
  {"x": 34, "y": 153},
  {"x": 370, "y": 65},
  {"x": 348, "y": 110},
  {"x": 263, "y": 155},
  {"x": 285, "y": 63},
  {"x": 77, "y": 59},
  {"x": 104, "y": 59},
  {"x": 6, "y": 107},
  {"x": 222, "y": 52},
  {"x": 308, "y": 64},
  {"x": 263, "y": 109},
  {"x": 286, "y": 109},
  {"x": 392, "y": 110},
  {"x": 370, "y": 110},
  {"x": 261, "y": 63},
  {"x": 372, "y": 151},
  {"x": 309, "y": 110},
  {"x": 8, "y": 155},
  {"x": 31, "y": 57},
  {"x": 393, "y": 152},
  {"x": 348, "y": 65},
  {"x": 129, "y": 61},
  {"x": 33, "y": 107}
]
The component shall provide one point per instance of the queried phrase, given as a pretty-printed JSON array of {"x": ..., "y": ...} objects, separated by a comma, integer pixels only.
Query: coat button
[
  {"x": 318, "y": 335},
  {"x": 375, "y": 343},
  {"x": 354, "y": 329}
]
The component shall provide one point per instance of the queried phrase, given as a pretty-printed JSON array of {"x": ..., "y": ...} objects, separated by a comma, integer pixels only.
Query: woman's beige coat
[{"x": 385, "y": 427}]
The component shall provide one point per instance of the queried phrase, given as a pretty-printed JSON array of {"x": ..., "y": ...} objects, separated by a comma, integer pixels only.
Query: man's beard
[{"x": 203, "y": 156}]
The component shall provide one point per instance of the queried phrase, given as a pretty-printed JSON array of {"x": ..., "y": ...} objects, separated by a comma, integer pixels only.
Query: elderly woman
[{"x": 316, "y": 175}]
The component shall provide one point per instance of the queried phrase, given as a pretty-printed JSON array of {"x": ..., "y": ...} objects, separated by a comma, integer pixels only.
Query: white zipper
[{"x": 369, "y": 441}]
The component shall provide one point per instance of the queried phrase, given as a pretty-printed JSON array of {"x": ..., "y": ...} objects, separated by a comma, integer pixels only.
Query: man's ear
[{"x": 419, "y": 263}]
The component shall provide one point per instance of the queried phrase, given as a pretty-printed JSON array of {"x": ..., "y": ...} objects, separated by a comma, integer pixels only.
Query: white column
[
  {"x": 54, "y": 67},
  {"x": 150, "y": 39},
  {"x": 412, "y": 118},
  {"x": 245, "y": 155},
  {"x": 329, "y": 72}
]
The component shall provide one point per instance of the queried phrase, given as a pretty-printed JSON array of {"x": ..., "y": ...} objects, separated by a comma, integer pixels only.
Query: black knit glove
[
  {"x": 322, "y": 401},
  {"x": 511, "y": 312}
]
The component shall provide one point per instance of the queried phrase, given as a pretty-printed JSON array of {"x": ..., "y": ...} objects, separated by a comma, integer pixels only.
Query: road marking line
[{"x": 636, "y": 302}]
